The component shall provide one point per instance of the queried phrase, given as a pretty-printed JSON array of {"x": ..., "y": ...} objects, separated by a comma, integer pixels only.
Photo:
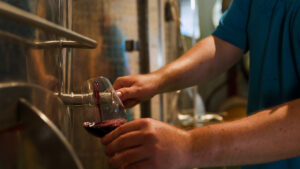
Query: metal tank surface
[
  {"x": 36, "y": 127},
  {"x": 28, "y": 138},
  {"x": 44, "y": 62}
]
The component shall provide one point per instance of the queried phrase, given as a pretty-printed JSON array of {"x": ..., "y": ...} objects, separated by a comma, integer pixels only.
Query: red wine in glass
[{"x": 100, "y": 129}]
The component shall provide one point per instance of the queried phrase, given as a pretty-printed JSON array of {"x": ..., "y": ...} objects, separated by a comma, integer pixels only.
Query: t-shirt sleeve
[{"x": 233, "y": 24}]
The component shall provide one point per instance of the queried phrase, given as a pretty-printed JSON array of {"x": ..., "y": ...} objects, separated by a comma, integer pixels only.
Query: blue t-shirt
[{"x": 270, "y": 30}]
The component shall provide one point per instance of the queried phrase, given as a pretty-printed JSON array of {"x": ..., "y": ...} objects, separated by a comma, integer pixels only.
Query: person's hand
[
  {"x": 147, "y": 144},
  {"x": 134, "y": 89}
]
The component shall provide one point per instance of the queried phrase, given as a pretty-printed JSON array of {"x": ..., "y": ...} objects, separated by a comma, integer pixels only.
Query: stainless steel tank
[
  {"x": 41, "y": 51},
  {"x": 33, "y": 126},
  {"x": 34, "y": 50}
]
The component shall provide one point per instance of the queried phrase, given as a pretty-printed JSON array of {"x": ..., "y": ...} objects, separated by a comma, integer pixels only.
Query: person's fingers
[
  {"x": 123, "y": 142},
  {"x": 118, "y": 84},
  {"x": 119, "y": 94},
  {"x": 127, "y": 93},
  {"x": 129, "y": 140},
  {"x": 130, "y": 103},
  {"x": 125, "y": 128},
  {"x": 144, "y": 164},
  {"x": 122, "y": 82},
  {"x": 129, "y": 157}
]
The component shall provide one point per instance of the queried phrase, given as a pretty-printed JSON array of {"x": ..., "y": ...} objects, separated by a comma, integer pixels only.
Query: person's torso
[{"x": 274, "y": 43}]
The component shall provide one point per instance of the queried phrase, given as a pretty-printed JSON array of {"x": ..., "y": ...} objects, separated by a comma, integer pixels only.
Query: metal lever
[{"x": 19, "y": 15}]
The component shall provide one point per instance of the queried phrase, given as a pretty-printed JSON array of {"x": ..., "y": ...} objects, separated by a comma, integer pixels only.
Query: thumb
[{"x": 126, "y": 93}]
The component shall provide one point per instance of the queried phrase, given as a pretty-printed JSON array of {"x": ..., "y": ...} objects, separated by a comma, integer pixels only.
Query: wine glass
[{"x": 110, "y": 110}]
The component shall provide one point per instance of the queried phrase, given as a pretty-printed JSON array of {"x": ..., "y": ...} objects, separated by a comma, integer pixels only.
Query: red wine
[
  {"x": 100, "y": 129},
  {"x": 98, "y": 99}
]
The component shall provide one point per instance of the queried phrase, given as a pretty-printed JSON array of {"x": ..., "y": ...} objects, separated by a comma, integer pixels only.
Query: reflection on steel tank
[
  {"x": 103, "y": 23},
  {"x": 64, "y": 70},
  {"x": 19, "y": 61},
  {"x": 13, "y": 55},
  {"x": 21, "y": 64}
]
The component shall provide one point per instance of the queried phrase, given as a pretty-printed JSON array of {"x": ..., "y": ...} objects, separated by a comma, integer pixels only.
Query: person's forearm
[
  {"x": 269, "y": 135},
  {"x": 208, "y": 58}
]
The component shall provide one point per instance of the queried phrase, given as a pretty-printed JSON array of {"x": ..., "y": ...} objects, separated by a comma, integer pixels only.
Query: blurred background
[{"x": 48, "y": 65}]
